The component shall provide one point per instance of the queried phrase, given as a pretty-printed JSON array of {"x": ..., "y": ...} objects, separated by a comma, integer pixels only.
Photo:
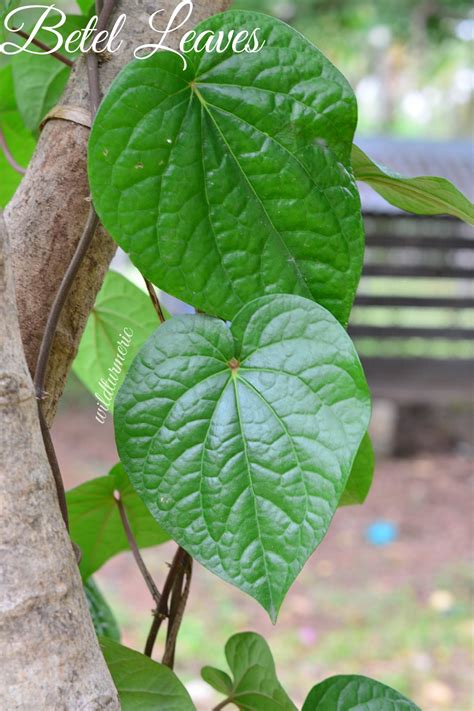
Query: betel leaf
[
  {"x": 143, "y": 684},
  {"x": 240, "y": 441},
  {"x": 254, "y": 686},
  {"x": 232, "y": 179},
  {"x": 102, "y": 616},
  {"x": 19, "y": 140},
  {"x": 356, "y": 693},
  {"x": 362, "y": 472},
  {"x": 119, "y": 304},
  {"x": 424, "y": 195},
  {"x": 40, "y": 78},
  {"x": 95, "y": 523}
]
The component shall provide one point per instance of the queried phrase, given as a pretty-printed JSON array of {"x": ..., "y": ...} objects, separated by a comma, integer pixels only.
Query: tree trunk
[{"x": 50, "y": 656}]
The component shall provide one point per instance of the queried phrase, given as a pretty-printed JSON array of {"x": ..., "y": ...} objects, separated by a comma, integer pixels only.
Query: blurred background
[{"x": 389, "y": 592}]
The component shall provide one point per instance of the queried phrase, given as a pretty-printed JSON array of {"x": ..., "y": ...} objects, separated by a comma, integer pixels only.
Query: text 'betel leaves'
[
  {"x": 232, "y": 179},
  {"x": 240, "y": 440}
]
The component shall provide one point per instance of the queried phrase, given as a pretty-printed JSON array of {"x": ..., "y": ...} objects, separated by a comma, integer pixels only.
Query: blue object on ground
[{"x": 381, "y": 533}]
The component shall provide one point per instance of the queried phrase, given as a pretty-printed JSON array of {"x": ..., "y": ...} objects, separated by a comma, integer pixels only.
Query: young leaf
[
  {"x": 143, "y": 684},
  {"x": 356, "y": 693},
  {"x": 232, "y": 179},
  {"x": 119, "y": 304},
  {"x": 95, "y": 522},
  {"x": 103, "y": 619},
  {"x": 360, "y": 479},
  {"x": 254, "y": 686},
  {"x": 423, "y": 195},
  {"x": 240, "y": 441},
  {"x": 39, "y": 78},
  {"x": 18, "y": 139}
]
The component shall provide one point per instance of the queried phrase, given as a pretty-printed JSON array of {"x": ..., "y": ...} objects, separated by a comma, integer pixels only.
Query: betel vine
[{"x": 229, "y": 179}]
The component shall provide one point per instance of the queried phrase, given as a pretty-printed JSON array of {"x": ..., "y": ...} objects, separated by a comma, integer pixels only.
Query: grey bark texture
[
  {"x": 46, "y": 215},
  {"x": 49, "y": 652},
  {"x": 50, "y": 656}
]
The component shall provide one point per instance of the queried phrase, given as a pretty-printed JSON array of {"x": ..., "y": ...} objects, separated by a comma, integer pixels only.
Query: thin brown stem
[
  {"x": 8, "y": 154},
  {"x": 135, "y": 550},
  {"x": 155, "y": 301},
  {"x": 44, "y": 47},
  {"x": 222, "y": 704},
  {"x": 179, "y": 598},
  {"x": 162, "y": 611}
]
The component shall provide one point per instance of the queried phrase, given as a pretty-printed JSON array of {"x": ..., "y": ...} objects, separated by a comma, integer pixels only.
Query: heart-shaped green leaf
[
  {"x": 232, "y": 179},
  {"x": 95, "y": 523},
  {"x": 254, "y": 686},
  {"x": 360, "y": 478},
  {"x": 103, "y": 619},
  {"x": 240, "y": 441},
  {"x": 142, "y": 684},
  {"x": 356, "y": 693},
  {"x": 119, "y": 305}
]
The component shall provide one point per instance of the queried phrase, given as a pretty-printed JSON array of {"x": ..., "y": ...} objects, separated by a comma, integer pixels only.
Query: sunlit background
[{"x": 389, "y": 592}]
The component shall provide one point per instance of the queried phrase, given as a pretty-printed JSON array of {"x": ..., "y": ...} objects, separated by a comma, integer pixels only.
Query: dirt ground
[{"x": 401, "y": 612}]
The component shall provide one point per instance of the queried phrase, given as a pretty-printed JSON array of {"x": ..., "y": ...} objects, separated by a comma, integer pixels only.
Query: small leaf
[
  {"x": 240, "y": 441},
  {"x": 255, "y": 686},
  {"x": 18, "y": 139},
  {"x": 219, "y": 680},
  {"x": 143, "y": 684},
  {"x": 95, "y": 522},
  {"x": 425, "y": 195},
  {"x": 362, "y": 472},
  {"x": 39, "y": 78},
  {"x": 232, "y": 179},
  {"x": 119, "y": 304},
  {"x": 356, "y": 693},
  {"x": 103, "y": 619}
]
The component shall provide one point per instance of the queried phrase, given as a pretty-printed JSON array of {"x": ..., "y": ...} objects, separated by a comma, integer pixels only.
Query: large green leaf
[
  {"x": 104, "y": 621},
  {"x": 18, "y": 139},
  {"x": 360, "y": 479},
  {"x": 356, "y": 693},
  {"x": 424, "y": 195},
  {"x": 240, "y": 441},
  {"x": 40, "y": 78},
  {"x": 95, "y": 522},
  {"x": 142, "y": 684},
  {"x": 232, "y": 179},
  {"x": 254, "y": 686},
  {"x": 119, "y": 304}
]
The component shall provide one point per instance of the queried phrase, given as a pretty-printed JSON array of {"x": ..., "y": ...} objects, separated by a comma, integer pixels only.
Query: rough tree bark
[
  {"x": 50, "y": 656},
  {"x": 46, "y": 215}
]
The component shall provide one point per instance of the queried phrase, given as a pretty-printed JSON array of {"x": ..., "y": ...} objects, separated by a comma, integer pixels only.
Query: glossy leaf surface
[
  {"x": 240, "y": 441},
  {"x": 424, "y": 195},
  {"x": 95, "y": 521},
  {"x": 142, "y": 684},
  {"x": 232, "y": 179},
  {"x": 254, "y": 685},
  {"x": 356, "y": 693}
]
